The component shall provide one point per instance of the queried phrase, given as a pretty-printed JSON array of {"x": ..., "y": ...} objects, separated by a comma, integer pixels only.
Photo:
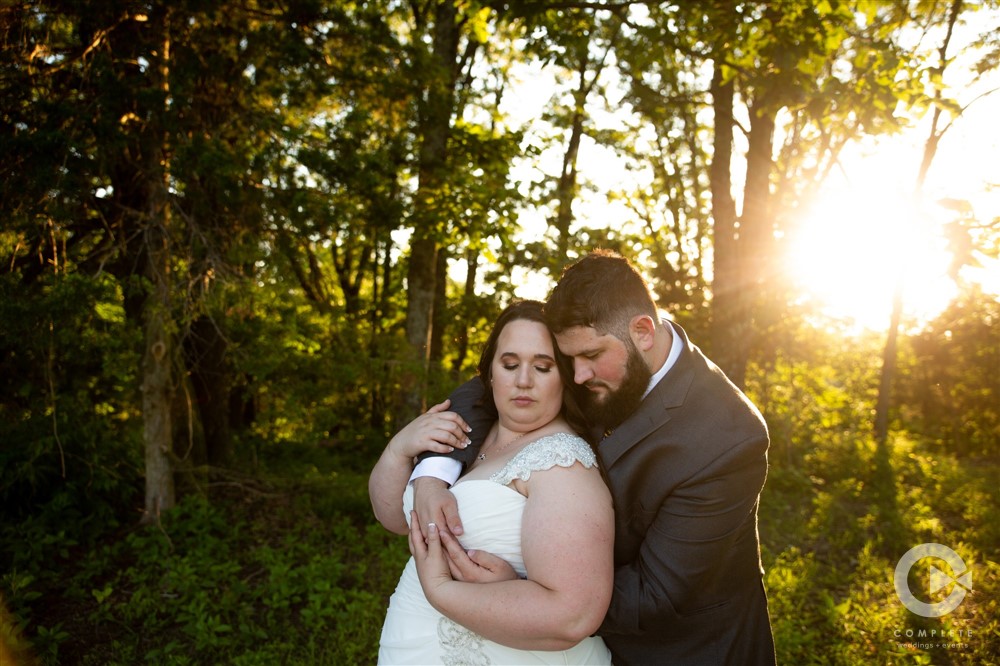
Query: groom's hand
[
  {"x": 475, "y": 566},
  {"x": 434, "y": 503}
]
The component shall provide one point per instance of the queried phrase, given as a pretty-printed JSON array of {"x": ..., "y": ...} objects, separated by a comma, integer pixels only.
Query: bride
[{"x": 534, "y": 496}]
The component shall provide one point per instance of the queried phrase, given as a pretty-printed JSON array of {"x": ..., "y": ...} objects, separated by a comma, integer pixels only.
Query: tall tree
[
  {"x": 666, "y": 140},
  {"x": 155, "y": 225},
  {"x": 580, "y": 42},
  {"x": 944, "y": 112},
  {"x": 795, "y": 67},
  {"x": 163, "y": 177},
  {"x": 725, "y": 268},
  {"x": 768, "y": 47},
  {"x": 444, "y": 41},
  {"x": 438, "y": 72}
]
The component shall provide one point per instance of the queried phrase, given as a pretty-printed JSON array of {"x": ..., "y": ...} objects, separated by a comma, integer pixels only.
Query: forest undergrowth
[{"x": 290, "y": 567}]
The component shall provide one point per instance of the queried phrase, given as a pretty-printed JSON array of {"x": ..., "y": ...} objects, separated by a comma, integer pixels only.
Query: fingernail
[
  {"x": 458, "y": 530},
  {"x": 468, "y": 428},
  {"x": 470, "y": 553},
  {"x": 432, "y": 528},
  {"x": 466, "y": 442}
]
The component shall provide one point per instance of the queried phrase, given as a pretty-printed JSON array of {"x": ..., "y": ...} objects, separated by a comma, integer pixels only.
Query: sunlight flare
[{"x": 852, "y": 247}]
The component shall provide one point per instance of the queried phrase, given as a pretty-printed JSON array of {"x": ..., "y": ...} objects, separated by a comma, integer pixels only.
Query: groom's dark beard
[{"x": 620, "y": 404}]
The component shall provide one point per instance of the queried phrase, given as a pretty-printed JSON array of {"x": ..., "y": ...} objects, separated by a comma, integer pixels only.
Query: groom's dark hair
[{"x": 602, "y": 290}]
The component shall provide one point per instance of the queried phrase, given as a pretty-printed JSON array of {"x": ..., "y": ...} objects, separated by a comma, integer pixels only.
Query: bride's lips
[{"x": 522, "y": 401}]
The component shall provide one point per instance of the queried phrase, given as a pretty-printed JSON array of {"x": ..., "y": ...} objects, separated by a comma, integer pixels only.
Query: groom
[{"x": 685, "y": 456}]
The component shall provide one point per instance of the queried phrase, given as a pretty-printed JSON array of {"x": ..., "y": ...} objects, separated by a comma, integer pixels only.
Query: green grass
[
  {"x": 291, "y": 568},
  {"x": 833, "y": 528},
  {"x": 283, "y": 571}
]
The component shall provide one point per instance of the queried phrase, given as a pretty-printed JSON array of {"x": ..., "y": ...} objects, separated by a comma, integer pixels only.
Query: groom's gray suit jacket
[{"x": 685, "y": 471}]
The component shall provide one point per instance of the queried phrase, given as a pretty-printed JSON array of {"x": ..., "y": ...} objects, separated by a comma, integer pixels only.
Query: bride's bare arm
[
  {"x": 567, "y": 542},
  {"x": 435, "y": 430}
]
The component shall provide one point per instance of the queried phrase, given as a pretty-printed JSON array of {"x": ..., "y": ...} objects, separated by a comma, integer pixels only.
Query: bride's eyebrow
[{"x": 517, "y": 357}]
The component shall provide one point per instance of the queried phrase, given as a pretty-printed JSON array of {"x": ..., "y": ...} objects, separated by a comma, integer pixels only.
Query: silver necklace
[{"x": 482, "y": 456}]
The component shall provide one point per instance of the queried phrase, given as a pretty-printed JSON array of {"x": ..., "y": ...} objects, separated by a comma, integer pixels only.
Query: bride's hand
[
  {"x": 474, "y": 566},
  {"x": 435, "y": 430},
  {"x": 429, "y": 557}
]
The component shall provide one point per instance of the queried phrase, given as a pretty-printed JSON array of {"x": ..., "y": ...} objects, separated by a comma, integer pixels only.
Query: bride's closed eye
[{"x": 539, "y": 368}]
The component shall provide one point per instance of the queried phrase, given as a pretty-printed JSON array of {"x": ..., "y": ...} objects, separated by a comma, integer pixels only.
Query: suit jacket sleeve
[{"x": 466, "y": 401}]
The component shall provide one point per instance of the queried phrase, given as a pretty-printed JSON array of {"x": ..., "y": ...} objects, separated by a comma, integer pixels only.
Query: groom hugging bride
[{"x": 590, "y": 498}]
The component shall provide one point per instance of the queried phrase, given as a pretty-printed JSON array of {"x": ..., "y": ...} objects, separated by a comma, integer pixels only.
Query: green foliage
[
  {"x": 835, "y": 520},
  {"x": 315, "y": 377},
  {"x": 951, "y": 389},
  {"x": 292, "y": 148},
  {"x": 293, "y": 569},
  {"x": 294, "y": 572},
  {"x": 289, "y": 567},
  {"x": 816, "y": 387},
  {"x": 70, "y": 462}
]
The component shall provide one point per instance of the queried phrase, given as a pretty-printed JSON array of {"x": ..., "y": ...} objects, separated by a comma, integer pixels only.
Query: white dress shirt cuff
[{"x": 440, "y": 467}]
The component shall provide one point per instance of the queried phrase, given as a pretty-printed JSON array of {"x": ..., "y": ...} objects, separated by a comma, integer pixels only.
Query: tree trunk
[
  {"x": 420, "y": 279},
  {"x": 755, "y": 246},
  {"x": 888, "y": 372},
  {"x": 725, "y": 269},
  {"x": 442, "y": 316},
  {"x": 157, "y": 367},
  {"x": 381, "y": 273},
  {"x": 436, "y": 107},
  {"x": 468, "y": 297},
  {"x": 566, "y": 188},
  {"x": 205, "y": 357}
]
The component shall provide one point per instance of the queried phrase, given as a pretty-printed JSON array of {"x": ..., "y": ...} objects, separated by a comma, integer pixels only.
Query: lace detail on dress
[
  {"x": 461, "y": 646},
  {"x": 562, "y": 449}
]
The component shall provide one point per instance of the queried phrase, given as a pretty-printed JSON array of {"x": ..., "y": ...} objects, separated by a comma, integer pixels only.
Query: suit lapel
[{"x": 654, "y": 410}]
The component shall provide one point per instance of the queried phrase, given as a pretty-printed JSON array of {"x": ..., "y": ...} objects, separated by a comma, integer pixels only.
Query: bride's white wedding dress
[{"x": 415, "y": 633}]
